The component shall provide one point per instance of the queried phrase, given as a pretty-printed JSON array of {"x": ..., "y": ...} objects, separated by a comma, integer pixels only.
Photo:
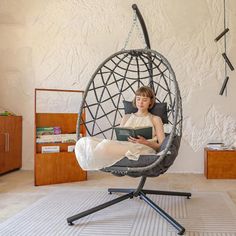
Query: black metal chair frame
[
  {"x": 139, "y": 192},
  {"x": 157, "y": 70}
]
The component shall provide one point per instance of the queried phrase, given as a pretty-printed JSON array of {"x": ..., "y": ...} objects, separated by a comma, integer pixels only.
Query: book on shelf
[
  {"x": 122, "y": 133},
  {"x": 47, "y": 130},
  {"x": 216, "y": 145},
  {"x": 57, "y": 138},
  {"x": 71, "y": 148},
  {"x": 50, "y": 149}
]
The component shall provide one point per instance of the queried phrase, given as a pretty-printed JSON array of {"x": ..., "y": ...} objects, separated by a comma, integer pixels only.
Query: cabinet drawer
[
  {"x": 220, "y": 164},
  {"x": 10, "y": 143}
]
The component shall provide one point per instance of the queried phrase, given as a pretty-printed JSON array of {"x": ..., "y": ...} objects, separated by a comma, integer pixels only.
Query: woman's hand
[{"x": 140, "y": 140}]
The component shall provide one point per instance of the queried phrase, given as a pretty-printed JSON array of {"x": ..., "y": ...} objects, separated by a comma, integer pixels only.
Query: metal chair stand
[{"x": 141, "y": 193}]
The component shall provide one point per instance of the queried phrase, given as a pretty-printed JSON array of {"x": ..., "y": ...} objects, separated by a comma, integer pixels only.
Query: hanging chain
[
  {"x": 134, "y": 24},
  {"x": 141, "y": 35},
  {"x": 131, "y": 29}
]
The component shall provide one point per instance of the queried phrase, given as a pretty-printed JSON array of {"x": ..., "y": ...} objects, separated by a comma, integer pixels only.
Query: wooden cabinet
[
  {"x": 10, "y": 143},
  {"x": 62, "y": 167},
  {"x": 220, "y": 164}
]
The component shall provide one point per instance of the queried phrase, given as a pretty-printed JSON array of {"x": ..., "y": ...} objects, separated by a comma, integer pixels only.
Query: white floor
[{"x": 17, "y": 190}]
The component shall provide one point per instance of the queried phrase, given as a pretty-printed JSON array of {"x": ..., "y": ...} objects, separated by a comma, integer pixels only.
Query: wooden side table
[{"x": 219, "y": 164}]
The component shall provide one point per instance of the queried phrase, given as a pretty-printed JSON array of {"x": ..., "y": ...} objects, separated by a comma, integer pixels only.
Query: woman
[{"x": 94, "y": 153}]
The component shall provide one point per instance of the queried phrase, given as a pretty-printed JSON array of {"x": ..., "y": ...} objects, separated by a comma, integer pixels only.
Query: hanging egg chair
[{"x": 108, "y": 97}]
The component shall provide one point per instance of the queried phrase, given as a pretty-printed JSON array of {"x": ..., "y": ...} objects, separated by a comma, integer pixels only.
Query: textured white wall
[{"x": 59, "y": 44}]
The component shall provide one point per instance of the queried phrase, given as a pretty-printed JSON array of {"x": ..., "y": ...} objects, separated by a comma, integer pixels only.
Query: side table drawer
[{"x": 220, "y": 164}]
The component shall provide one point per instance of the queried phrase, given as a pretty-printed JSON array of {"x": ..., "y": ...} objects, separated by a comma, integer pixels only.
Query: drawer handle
[{"x": 7, "y": 142}]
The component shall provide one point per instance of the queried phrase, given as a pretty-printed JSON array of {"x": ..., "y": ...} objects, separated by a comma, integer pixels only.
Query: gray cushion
[
  {"x": 159, "y": 109},
  {"x": 146, "y": 160}
]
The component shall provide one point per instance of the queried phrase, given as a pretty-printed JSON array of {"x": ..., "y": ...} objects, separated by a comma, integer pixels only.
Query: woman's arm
[
  {"x": 159, "y": 131},
  {"x": 159, "y": 128}
]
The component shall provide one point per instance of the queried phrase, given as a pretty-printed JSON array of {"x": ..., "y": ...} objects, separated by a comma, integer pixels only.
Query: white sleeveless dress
[{"x": 95, "y": 153}]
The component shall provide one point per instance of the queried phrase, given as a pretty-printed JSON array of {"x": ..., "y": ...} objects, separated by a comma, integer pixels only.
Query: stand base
[{"x": 130, "y": 193}]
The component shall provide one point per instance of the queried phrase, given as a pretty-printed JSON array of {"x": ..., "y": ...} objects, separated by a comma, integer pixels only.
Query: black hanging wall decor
[{"x": 224, "y": 54}]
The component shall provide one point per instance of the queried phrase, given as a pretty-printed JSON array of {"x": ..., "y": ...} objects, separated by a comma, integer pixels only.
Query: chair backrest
[{"x": 117, "y": 79}]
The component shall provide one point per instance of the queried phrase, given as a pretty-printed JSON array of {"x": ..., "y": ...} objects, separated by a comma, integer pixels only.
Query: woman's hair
[{"x": 145, "y": 91}]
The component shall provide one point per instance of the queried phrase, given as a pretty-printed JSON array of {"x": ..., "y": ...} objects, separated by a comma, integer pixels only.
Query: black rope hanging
[{"x": 224, "y": 54}]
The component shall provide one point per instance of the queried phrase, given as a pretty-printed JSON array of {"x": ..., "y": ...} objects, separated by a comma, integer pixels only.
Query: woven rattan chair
[
  {"x": 106, "y": 99},
  {"x": 105, "y": 102}
]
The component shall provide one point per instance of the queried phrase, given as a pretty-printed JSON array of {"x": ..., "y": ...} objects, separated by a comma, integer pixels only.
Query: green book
[
  {"x": 44, "y": 130},
  {"x": 122, "y": 133}
]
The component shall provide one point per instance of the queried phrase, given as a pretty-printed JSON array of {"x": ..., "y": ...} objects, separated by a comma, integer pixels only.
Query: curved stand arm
[
  {"x": 142, "y": 23},
  {"x": 146, "y": 37}
]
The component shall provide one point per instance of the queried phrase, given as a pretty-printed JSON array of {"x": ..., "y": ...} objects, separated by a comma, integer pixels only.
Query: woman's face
[{"x": 143, "y": 103}]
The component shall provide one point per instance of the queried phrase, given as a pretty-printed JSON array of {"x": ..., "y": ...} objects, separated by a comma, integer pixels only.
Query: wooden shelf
[
  {"x": 62, "y": 167},
  {"x": 65, "y": 121},
  {"x": 220, "y": 164},
  {"x": 63, "y": 146}
]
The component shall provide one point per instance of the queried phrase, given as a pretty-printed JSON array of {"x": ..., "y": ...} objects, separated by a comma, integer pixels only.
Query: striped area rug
[{"x": 205, "y": 214}]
